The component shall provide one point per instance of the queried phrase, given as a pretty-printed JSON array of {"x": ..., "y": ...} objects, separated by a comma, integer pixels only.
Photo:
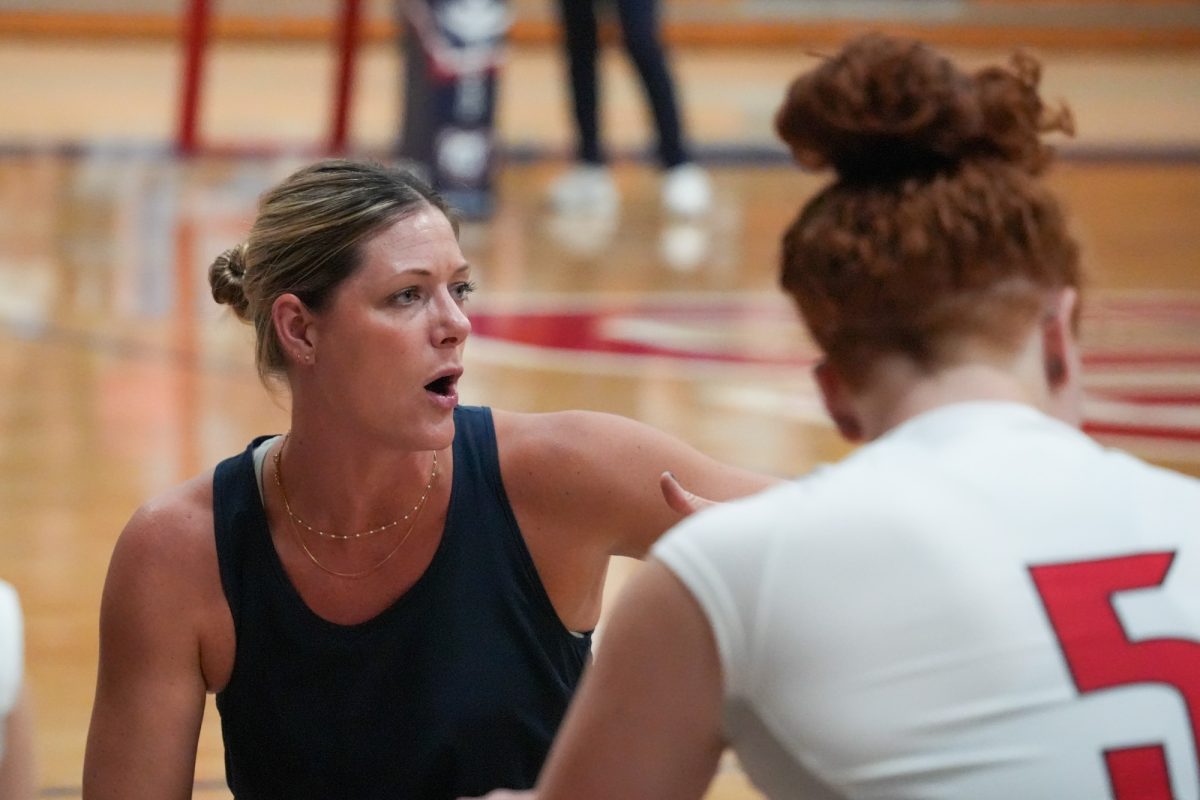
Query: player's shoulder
[
  {"x": 745, "y": 525},
  {"x": 1163, "y": 497},
  {"x": 10, "y": 618},
  {"x": 12, "y": 647},
  {"x": 8, "y": 597},
  {"x": 869, "y": 491},
  {"x": 1129, "y": 468}
]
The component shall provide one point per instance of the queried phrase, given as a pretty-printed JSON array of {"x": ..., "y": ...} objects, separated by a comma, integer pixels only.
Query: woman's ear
[
  {"x": 292, "y": 320},
  {"x": 1061, "y": 363},
  {"x": 836, "y": 396}
]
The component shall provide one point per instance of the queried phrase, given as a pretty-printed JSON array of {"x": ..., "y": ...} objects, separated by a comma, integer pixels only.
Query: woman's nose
[{"x": 453, "y": 324}]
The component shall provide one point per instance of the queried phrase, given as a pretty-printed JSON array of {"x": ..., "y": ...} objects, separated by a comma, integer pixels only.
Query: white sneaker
[
  {"x": 587, "y": 188},
  {"x": 686, "y": 190},
  {"x": 583, "y": 235}
]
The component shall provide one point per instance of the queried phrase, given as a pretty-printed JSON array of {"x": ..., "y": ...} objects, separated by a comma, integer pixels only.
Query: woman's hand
[{"x": 680, "y": 499}]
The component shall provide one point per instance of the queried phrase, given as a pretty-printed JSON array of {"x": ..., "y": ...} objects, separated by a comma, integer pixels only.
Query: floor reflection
[{"x": 120, "y": 375}]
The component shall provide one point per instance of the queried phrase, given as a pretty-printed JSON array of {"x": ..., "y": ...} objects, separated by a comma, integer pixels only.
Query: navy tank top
[{"x": 454, "y": 690}]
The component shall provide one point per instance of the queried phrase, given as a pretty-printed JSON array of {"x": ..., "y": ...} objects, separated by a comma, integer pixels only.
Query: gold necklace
[
  {"x": 362, "y": 573},
  {"x": 325, "y": 534},
  {"x": 374, "y": 568}
]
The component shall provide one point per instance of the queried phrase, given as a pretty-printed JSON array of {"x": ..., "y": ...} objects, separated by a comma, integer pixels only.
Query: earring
[{"x": 1056, "y": 370}]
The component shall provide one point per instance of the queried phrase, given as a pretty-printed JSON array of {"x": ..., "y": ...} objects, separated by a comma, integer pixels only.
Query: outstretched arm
[{"x": 597, "y": 476}]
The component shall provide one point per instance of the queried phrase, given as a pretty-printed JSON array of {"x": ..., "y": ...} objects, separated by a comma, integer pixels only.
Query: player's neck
[{"x": 893, "y": 402}]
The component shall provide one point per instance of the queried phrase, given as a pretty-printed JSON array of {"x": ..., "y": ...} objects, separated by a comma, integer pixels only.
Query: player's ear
[
  {"x": 835, "y": 393},
  {"x": 1061, "y": 362}
]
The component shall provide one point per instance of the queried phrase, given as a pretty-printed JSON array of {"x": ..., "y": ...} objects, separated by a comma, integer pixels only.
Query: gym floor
[{"x": 120, "y": 376}]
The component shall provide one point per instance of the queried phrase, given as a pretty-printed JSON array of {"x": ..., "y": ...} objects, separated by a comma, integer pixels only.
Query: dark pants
[
  {"x": 639, "y": 26},
  {"x": 448, "y": 119}
]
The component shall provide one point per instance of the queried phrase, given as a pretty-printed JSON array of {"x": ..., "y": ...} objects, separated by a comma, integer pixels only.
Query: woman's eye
[
  {"x": 406, "y": 296},
  {"x": 463, "y": 290}
]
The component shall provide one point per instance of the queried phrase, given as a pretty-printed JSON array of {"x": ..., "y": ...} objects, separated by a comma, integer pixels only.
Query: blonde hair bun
[{"x": 226, "y": 277}]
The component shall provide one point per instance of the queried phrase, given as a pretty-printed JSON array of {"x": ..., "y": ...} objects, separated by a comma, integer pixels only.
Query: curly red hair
[{"x": 937, "y": 226}]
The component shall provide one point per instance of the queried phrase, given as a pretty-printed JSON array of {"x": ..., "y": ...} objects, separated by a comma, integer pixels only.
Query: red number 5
[{"x": 1100, "y": 655}]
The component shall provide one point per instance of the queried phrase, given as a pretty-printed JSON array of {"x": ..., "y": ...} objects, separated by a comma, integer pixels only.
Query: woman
[
  {"x": 394, "y": 598},
  {"x": 981, "y": 602}
]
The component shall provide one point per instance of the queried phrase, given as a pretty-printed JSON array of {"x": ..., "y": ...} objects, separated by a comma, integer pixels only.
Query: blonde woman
[{"x": 394, "y": 598}]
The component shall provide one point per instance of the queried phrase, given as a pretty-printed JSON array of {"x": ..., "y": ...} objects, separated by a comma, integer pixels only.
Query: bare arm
[
  {"x": 16, "y": 766},
  {"x": 150, "y": 688},
  {"x": 647, "y": 720},
  {"x": 598, "y": 476}
]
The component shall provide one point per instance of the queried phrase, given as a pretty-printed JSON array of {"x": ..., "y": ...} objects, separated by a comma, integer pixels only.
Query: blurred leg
[
  {"x": 686, "y": 188},
  {"x": 639, "y": 26},
  {"x": 581, "y": 45}
]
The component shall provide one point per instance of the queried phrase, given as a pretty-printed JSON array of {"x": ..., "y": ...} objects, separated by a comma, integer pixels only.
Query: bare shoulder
[
  {"x": 562, "y": 461},
  {"x": 546, "y": 452},
  {"x": 553, "y": 439},
  {"x": 164, "y": 583},
  {"x": 164, "y": 564},
  {"x": 563, "y": 446},
  {"x": 597, "y": 475},
  {"x": 171, "y": 529}
]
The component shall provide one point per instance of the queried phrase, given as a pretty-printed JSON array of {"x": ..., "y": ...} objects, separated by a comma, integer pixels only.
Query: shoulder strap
[{"x": 238, "y": 521}]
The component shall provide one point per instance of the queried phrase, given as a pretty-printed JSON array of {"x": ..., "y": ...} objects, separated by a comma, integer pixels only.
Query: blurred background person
[
  {"x": 452, "y": 52},
  {"x": 588, "y": 185},
  {"x": 16, "y": 736}
]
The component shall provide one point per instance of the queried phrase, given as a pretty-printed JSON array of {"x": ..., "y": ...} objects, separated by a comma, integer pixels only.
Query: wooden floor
[{"x": 119, "y": 376}]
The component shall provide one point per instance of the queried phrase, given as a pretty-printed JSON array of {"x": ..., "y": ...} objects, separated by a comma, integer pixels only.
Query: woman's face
[{"x": 388, "y": 348}]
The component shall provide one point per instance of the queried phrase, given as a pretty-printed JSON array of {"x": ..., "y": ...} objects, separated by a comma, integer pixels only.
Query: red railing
[{"x": 195, "y": 38}]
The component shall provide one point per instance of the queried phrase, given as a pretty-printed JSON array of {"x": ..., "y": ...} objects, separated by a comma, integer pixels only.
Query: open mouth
[{"x": 443, "y": 386}]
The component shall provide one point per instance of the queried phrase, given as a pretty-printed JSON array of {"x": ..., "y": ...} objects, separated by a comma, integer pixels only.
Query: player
[{"x": 981, "y": 602}]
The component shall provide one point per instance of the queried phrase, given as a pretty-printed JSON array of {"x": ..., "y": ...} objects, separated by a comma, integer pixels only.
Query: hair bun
[
  {"x": 885, "y": 107},
  {"x": 226, "y": 278}
]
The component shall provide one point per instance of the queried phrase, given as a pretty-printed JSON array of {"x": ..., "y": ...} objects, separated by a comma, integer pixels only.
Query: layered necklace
[{"x": 298, "y": 522}]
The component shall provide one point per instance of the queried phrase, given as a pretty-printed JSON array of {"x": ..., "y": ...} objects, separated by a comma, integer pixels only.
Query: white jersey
[
  {"x": 12, "y": 654},
  {"x": 983, "y": 603}
]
